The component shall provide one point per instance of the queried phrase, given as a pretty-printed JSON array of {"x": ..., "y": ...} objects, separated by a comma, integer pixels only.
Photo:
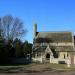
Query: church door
[{"x": 48, "y": 58}]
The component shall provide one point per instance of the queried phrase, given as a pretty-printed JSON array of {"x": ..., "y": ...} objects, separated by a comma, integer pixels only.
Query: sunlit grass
[{"x": 39, "y": 67}]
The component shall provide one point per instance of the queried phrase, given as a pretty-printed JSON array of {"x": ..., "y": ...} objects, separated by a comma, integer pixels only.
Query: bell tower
[{"x": 35, "y": 29}]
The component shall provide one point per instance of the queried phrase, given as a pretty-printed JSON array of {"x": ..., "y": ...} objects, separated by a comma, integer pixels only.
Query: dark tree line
[
  {"x": 11, "y": 29},
  {"x": 15, "y": 48}
]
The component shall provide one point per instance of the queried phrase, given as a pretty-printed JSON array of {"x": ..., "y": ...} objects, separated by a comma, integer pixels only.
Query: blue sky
[{"x": 51, "y": 15}]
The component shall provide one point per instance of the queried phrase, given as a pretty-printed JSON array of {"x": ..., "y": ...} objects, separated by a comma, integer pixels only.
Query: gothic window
[
  {"x": 64, "y": 56},
  {"x": 67, "y": 54}
]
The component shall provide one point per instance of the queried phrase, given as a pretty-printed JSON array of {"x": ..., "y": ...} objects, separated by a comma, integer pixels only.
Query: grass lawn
[
  {"x": 59, "y": 67},
  {"x": 36, "y": 67}
]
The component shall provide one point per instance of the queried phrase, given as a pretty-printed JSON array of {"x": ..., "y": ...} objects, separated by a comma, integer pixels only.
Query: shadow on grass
[
  {"x": 24, "y": 68},
  {"x": 12, "y": 68}
]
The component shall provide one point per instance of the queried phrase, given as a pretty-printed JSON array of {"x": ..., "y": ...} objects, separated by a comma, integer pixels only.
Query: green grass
[
  {"x": 59, "y": 67},
  {"x": 38, "y": 67}
]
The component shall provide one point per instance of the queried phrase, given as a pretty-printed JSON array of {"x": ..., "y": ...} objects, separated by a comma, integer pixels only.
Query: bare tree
[{"x": 11, "y": 27}]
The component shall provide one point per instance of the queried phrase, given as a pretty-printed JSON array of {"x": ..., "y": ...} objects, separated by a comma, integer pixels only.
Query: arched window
[
  {"x": 64, "y": 56},
  {"x": 67, "y": 54}
]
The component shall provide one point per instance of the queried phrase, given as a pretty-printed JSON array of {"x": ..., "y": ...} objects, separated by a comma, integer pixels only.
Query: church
[{"x": 53, "y": 47}]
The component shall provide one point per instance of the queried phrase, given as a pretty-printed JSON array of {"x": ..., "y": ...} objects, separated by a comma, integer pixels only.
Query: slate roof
[
  {"x": 54, "y": 37},
  {"x": 40, "y": 49},
  {"x": 64, "y": 48},
  {"x": 61, "y": 48}
]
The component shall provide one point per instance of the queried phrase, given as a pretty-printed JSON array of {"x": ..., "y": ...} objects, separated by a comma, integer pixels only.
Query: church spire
[{"x": 35, "y": 28}]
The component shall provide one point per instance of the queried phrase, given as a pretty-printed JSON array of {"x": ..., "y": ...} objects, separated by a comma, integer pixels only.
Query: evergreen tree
[
  {"x": 3, "y": 51},
  {"x": 27, "y": 48},
  {"x": 18, "y": 48}
]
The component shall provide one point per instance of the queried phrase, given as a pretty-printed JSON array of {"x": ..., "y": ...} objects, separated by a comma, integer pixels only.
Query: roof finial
[{"x": 35, "y": 20}]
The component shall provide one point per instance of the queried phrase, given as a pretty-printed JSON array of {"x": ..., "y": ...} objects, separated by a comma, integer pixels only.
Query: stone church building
[{"x": 53, "y": 47}]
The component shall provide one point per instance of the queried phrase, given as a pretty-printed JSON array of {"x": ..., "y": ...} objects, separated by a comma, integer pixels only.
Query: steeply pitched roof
[
  {"x": 55, "y": 36},
  {"x": 64, "y": 48},
  {"x": 59, "y": 48}
]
